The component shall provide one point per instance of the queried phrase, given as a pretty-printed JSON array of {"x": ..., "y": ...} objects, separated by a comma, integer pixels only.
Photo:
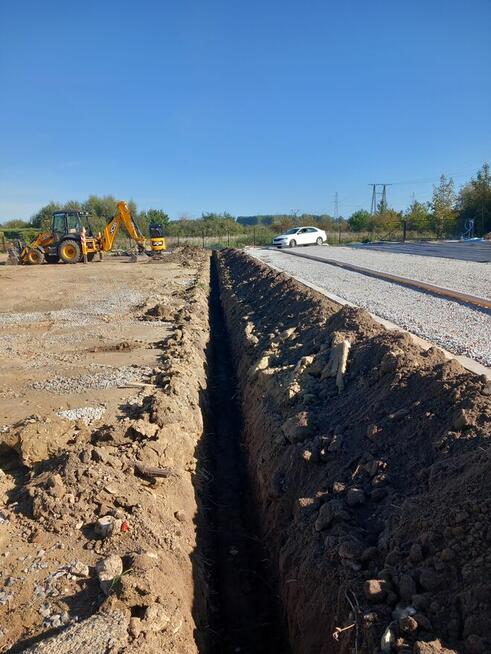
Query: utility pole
[
  {"x": 336, "y": 215},
  {"x": 378, "y": 207}
]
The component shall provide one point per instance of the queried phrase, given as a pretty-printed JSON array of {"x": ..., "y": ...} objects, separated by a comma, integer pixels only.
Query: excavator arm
[{"x": 122, "y": 217}]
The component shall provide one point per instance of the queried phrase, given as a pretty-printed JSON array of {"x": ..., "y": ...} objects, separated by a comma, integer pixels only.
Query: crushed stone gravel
[
  {"x": 79, "y": 316},
  {"x": 455, "y": 327},
  {"x": 464, "y": 276},
  {"x": 85, "y": 413},
  {"x": 108, "y": 378}
]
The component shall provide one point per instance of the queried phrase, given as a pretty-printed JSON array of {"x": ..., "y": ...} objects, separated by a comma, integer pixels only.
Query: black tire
[
  {"x": 51, "y": 258},
  {"x": 90, "y": 256},
  {"x": 34, "y": 257},
  {"x": 292, "y": 243},
  {"x": 70, "y": 251},
  {"x": 319, "y": 241}
]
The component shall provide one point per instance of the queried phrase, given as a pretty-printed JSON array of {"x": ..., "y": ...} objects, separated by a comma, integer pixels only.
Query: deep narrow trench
[{"x": 245, "y": 615}]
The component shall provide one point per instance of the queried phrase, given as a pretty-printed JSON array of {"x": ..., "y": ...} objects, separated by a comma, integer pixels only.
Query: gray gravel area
[
  {"x": 106, "y": 378},
  {"x": 464, "y": 276},
  {"x": 453, "y": 326},
  {"x": 85, "y": 413},
  {"x": 79, "y": 316}
]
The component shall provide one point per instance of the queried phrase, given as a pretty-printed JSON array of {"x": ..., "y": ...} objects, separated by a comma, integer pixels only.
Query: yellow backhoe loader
[{"x": 72, "y": 238}]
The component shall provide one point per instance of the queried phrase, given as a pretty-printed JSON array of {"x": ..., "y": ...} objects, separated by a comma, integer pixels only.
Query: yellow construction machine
[{"x": 72, "y": 238}]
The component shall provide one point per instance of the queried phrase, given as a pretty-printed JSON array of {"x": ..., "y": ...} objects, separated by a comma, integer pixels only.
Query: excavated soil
[{"x": 371, "y": 473}]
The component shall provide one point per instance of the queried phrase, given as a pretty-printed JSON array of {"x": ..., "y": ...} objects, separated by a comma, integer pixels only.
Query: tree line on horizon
[{"x": 447, "y": 213}]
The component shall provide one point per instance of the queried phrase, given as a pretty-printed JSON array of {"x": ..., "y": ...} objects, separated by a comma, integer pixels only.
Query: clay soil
[{"x": 373, "y": 486}]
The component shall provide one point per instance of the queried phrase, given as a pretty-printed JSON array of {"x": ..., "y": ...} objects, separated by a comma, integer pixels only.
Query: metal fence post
[
  {"x": 404, "y": 230},
  {"x": 254, "y": 236},
  {"x": 203, "y": 238},
  {"x": 228, "y": 239}
]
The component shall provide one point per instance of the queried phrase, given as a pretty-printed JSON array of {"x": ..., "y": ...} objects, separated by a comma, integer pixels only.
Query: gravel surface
[
  {"x": 85, "y": 413},
  {"x": 120, "y": 301},
  {"x": 464, "y": 276},
  {"x": 453, "y": 326},
  {"x": 108, "y": 378}
]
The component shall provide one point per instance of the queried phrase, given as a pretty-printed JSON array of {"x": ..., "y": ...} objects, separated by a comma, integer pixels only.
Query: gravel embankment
[
  {"x": 463, "y": 276},
  {"x": 453, "y": 326}
]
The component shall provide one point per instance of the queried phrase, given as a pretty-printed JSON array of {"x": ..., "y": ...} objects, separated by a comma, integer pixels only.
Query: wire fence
[{"x": 398, "y": 230}]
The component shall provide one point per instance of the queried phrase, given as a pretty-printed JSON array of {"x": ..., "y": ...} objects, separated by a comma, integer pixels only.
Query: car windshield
[{"x": 292, "y": 231}]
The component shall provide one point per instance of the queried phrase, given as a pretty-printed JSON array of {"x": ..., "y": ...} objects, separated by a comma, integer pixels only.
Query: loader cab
[{"x": 70, "y": 222}]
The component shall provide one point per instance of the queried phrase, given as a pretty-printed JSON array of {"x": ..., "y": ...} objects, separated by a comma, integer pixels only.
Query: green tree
[
  {"x": 14, "y": 224},
  {"x": 474, "y": 202},
  {"x": 385, "y": 220},
  {"x": 443, "y": 207},
  {"x": 360, "y": 221},
  {"x": 42, "y": 219},
  {"x": 418, "y": 215}
]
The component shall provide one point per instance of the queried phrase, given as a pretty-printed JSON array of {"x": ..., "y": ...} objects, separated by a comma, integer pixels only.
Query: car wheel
[
  {"x": 292, "y": 243},
  {"x": 319, "y": 241}
]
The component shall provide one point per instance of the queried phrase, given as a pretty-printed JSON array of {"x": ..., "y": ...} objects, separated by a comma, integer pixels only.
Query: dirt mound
[
  {"x": 185, "y": 256},
  {"x": 370, "y": 458}
]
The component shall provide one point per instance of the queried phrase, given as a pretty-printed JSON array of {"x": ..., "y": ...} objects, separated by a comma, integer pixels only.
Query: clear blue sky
[{"x": 252, "y": 107}]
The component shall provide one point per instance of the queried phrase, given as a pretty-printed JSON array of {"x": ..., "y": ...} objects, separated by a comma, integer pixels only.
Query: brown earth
[
  {"x": 373, "y": 486},
  {"x": 99, "y": 519}
]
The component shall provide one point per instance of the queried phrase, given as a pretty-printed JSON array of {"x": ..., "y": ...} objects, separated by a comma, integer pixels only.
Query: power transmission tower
[{"x": 379, "y": 206}]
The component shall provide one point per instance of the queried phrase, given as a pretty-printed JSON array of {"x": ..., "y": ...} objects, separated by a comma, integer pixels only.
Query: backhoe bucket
[{"x": 14, "y": 254}]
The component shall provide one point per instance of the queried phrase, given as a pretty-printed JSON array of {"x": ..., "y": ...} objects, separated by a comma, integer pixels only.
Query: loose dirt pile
[
  {"x": 186, "y": 255},
  {"x": 371, "y": 463},
  {"x": 97, "y": 532}
]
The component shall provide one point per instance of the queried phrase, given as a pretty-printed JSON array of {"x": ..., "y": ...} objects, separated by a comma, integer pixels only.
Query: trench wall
[{"x": 373, "y": 487}]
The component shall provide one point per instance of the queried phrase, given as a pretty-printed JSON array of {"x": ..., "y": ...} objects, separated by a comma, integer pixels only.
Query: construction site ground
[
  {"x": 203, "y": 454},
  {"x": 83, "y": 349}
]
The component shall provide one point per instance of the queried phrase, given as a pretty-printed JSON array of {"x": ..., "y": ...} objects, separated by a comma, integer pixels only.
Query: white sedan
[{"x": 300, "y": 236}]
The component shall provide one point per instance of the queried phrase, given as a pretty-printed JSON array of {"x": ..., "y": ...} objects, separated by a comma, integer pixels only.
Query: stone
[
  {"x": 156, "y": 617},
  {"x": 108, "y": 570},
  {"x": 180, "y": 516},
  {"x": 408, "y": 624},
  {"x": 338, "y": 487},
  {"x": 375, "y": 589},
  {"x": 79, "y": 569},
  {"x": 143, "y": 429},
  {"x": 355, "y": 497},
  {"x": 432, "y": 647},
  {"x": 107, "y": 525}
]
